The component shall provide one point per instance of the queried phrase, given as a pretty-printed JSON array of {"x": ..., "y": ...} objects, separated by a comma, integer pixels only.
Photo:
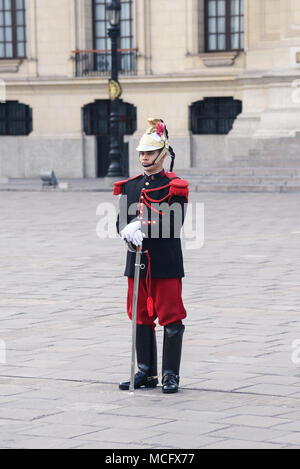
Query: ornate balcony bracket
[
  {"x": 219, "y": 59},
  {"x": 10, "y": 65}
]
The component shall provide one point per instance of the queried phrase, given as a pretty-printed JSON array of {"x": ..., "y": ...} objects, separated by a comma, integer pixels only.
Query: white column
[
  {"x": 281, "y": 118},
  {"x": 193, "y": 15},
  {"x": 271, "y": 83},
  {"x": 142, "y": 21},
  {"x": 32, "y": 37}
]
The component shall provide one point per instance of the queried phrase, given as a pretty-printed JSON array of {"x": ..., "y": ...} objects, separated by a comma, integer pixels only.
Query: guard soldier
[{"x": 152, "y": 211}]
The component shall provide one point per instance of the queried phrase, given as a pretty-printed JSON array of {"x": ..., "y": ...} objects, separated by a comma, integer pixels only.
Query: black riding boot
[
  {"x": 173, "y": 334},
  {"x": 146, "y": 352}
]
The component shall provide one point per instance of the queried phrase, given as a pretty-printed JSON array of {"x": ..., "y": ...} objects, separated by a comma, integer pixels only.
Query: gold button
[{"x": 147, "y": 183}]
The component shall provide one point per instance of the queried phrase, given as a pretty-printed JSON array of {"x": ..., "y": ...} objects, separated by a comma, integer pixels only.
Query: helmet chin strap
[
  {"x": 157, "y": 159},
  {"x": 149, "y": 165}
]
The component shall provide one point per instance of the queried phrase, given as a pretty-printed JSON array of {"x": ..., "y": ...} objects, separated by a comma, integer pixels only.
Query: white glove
[{"x": 133, "y": 234}]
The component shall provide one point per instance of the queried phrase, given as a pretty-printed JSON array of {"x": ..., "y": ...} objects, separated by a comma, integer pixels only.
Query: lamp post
[{"x": 114, "y": 170}]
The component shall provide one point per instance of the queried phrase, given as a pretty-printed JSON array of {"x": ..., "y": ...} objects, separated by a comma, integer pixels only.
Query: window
[
  {"x": 214, "y": 115},
  {"x": 15, "y": 118},
  {"x": 224, "y": 21},
  {"x": 102, "y": 41},
  {"x": 12, "y": 29},
  {"x": 126, "y": 39}
]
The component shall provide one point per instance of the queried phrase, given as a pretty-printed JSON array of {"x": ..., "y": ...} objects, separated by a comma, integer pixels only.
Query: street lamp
[{"x": 113, "y": 10}]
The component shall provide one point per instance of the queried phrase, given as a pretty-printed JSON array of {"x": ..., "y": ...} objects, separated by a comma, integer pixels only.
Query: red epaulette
[
  {"x": 118, "y": 186},
  {"x": 170, "y": 175},
  {"x": 179, "y": 187}
]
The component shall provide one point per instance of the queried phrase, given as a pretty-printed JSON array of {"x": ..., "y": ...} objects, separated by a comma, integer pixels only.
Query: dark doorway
[
  {"x": 96, "y": 122},
  {"x": 103, "y": 144}
]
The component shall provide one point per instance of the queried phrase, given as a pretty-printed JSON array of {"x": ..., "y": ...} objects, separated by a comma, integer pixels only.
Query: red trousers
[{"x": 167, "y": 301}]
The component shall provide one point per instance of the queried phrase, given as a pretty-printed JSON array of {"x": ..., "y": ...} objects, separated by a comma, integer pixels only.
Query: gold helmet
[{"x": 155, "y": 138}]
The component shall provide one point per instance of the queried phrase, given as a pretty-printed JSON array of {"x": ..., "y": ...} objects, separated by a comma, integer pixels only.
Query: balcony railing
[{"x": 95, "y": 63}]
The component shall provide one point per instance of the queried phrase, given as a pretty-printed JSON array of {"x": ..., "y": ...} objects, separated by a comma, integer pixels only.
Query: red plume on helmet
[{"x": 160, "y": 129}]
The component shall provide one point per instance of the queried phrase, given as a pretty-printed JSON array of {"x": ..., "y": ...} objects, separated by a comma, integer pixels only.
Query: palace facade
[{"x": 223, "y": 74}]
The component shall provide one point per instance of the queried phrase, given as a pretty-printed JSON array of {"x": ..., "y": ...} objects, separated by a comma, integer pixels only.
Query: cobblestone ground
[{"x": 65, "y": 337}]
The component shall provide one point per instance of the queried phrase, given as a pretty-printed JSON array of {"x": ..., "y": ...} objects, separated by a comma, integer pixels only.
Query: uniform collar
[{"x": 152, "y": 177}]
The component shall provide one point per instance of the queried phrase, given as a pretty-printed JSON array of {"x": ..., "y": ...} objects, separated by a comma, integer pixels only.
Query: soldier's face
[{"x": 147, "y": 157}]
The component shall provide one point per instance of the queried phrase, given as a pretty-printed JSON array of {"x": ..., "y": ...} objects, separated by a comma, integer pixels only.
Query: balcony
[{"x": 97, "y": 63}]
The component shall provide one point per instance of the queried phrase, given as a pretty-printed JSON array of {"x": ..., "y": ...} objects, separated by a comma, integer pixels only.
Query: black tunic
[{"x": 162, "y": 243}]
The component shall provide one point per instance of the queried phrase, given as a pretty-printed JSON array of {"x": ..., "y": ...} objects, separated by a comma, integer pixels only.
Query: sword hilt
[{"x": 132, "y": 248}]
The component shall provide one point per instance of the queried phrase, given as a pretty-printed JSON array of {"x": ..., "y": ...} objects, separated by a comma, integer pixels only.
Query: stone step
[
  {"x": 245, "y": 188},
  {"x": 291, "y": 147},
  {"x": 272, "y": 156},
  {"x": 239, "y": 171},
  {"x": 245, "y": 180},
  {"x": 215, "y": 182},
  {"x": 269, "y": 156},
  {"x": 266, "y": 162},
  {"x": 285, "y": 142}
]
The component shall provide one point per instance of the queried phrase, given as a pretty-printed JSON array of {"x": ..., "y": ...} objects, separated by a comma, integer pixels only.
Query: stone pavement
[{"x": 67, "y": 338}]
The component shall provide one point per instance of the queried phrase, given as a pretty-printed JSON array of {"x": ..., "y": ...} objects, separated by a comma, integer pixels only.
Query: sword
[{"x": 134, "y": 314}]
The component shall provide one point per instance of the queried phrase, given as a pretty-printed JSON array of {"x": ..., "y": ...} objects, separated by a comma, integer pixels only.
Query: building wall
[{"x": 173, "y": 72}]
